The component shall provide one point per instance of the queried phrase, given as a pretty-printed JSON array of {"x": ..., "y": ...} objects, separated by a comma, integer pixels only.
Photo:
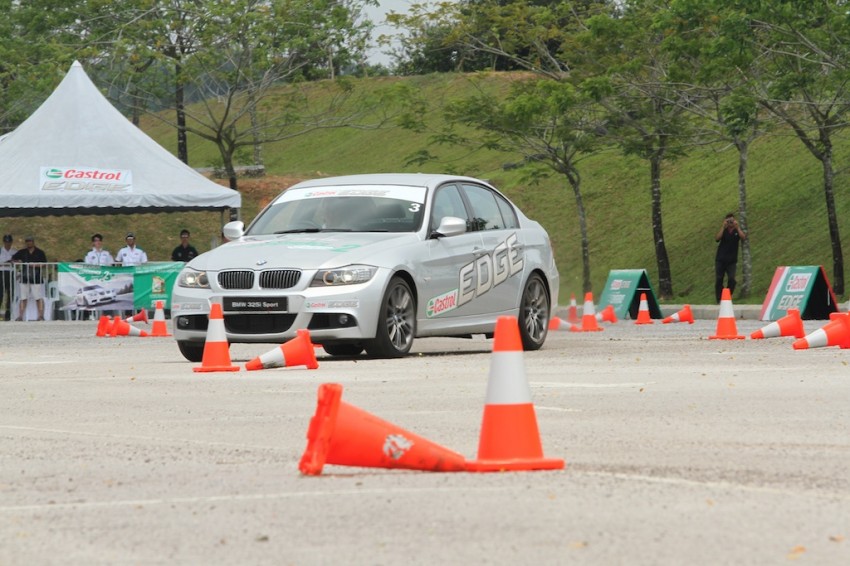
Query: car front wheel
[
  {"x": 534, "y": 314},
  {"x": 192, "y": 351},
  {"x": 396, "y": 322}
]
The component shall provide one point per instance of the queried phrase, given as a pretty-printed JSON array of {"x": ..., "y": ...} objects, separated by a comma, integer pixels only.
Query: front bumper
[{"x": 330, "y": 314}]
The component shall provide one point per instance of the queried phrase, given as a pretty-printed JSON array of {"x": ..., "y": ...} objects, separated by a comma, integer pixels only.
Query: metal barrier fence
[
  {"x": 38, "y": 285},
  {"x": 37, "y": 280}
]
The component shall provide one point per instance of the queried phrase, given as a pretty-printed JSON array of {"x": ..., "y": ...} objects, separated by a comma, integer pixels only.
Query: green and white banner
[
  {"x": 95, "y": 287},
  {"x": 623, "y": 290},
  {"x": 803, "y": 287}
]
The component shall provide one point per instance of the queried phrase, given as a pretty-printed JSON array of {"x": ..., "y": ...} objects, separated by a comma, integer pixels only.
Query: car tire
[
  {"x": 343, "y": 349},
  {"x": 534, "y": 313},
  {"x": 396, "y": 322},
  {"x": 192, "y": 351}
]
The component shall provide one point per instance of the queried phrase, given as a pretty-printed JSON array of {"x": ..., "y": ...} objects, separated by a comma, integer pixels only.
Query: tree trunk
[
  {"x": 665, "y": 280},
  {"x": 255, "y": 132},
  {"x": 180, "y": 105},
  {"x": 575, "y": 183},
  {"x": 835, "y": 238},
  {"x": 746, "y": 256}
]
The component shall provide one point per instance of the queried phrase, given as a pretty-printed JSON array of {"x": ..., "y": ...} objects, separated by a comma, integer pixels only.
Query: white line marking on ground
[
  {"x": 32, "y": 363},
  {"x": 556, "y": 385}
]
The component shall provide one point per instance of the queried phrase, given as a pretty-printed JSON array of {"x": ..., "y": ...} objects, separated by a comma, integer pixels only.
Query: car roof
[{"x": 429, "y": 180}]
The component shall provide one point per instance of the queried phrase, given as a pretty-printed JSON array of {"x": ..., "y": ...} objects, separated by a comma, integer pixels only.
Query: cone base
[
  {"x": 208, "y": 369},
  {"x": 515, "y": 465},
  {"x": 727, "y": 337}
]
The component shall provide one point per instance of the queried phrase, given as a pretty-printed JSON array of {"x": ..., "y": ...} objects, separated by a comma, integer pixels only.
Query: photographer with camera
[{"x": 726, "y": 260}]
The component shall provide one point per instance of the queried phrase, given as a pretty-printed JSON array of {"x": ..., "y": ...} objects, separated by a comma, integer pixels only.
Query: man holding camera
[{"x": 726, "y": 260}]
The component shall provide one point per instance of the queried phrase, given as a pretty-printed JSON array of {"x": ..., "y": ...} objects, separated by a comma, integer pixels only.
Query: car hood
[{"x": 302, "y": 251}]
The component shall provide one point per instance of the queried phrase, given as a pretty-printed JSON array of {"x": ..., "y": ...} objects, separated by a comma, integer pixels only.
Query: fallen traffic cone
[
  {"x": 836, "y": 332},
  {"x": 110, "y": 329},
  {"x": 572, "y": 313},
  {"x": 509, "y": 437},
  {"x": 607, "y": 315},
  {"x": 216, "y": 349},
  {"x": 643, "y": 311},
  {"x": 556, "y": 323},
  {"x": 344, "y": 435},
  {"x": 789, "y": 325},
  {"x": 683, "y": 315},
  {"x": 588, "y": 316},
  {"x": 296, "y": 352},
  {"x": 103, "y": 326},
  {"x": 124, "y": 328},
  {"x": 159, "y": 328},
  {"x": 141, "y": 316},
  {"x": 726, "y": 327}
]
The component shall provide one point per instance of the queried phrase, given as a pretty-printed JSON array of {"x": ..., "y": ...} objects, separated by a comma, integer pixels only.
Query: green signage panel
[
  {"x": 803, "y": 287},
  {"x": 623, "y": 290},
  {"x": 95, "y": 287}
]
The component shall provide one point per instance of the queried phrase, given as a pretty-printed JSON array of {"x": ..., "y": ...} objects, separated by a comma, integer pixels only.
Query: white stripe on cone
[{"x": 507, "y": 384}]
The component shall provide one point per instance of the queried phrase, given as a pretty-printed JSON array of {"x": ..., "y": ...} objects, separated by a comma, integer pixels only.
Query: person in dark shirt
[
  {"x": 726, "y": 259},
  {"x": 184, "y": 252},
  {"x": 32, "y": 284}
]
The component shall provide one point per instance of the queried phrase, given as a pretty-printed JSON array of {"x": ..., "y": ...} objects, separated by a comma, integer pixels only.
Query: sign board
[
  {"x": 97, "y": 287},
  {"x": 803, "y": 287},
  {"x": 623, "y": 290}
]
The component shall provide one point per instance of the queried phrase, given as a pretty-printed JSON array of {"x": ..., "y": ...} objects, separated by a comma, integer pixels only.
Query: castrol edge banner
[{"x": 85, "y": 179}]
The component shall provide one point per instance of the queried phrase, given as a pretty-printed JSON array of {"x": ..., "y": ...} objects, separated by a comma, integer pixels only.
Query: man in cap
[
  {"x": 6, "y": 254},
  {"x": 185, "y": 251},
  {"x": 32, "y": 284},
  {"x": 130, "y": 255}
]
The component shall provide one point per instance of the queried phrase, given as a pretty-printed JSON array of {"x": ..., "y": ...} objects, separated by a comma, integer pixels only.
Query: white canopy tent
[{"x": 77, "y": 154}]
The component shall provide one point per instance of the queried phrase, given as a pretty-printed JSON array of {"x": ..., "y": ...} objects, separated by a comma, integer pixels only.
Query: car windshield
[
  {"x": 348, "y": 209},
  {"x": 91, "y": 288}
]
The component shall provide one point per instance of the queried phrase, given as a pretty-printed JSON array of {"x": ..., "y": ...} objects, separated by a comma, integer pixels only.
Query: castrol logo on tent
[{"x": 90, "y": 179}]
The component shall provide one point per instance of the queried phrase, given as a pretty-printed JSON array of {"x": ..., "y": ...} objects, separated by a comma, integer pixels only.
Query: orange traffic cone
[
  {"x": 556, "y": 323},
  {"x": 296, "y": 352},
  {"x": 159, "y": 328},
  {"x": 836, "y": 332},
  {"x": 141, "y": 316},
  {"x": 344, "y": 435},
  {"x": 789, "y": 325},
  {"x": 726, "y": 327},
  {"x": 124, "y": 328},
  {"x": 509, "y": 437},
  {"x": 588, "y": 316},
  {"x": 572, "y": 313},
  {"x": 683, "y": 315},
  {"x": 103, "y": 326},
  {"x": 607, "y": 315},
  {"x": 110, "y": 328},
  {"x": 643, "y": 311},
  {"x": 216, "y": 349}
]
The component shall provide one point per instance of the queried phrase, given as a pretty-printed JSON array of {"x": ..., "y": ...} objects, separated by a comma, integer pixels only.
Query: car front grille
[
  {"x": 279, "y": 278},
  {"x": 258, "y": 323},
  {"x": 236, "y": 279},
  {"x": 270, "y": 279}
]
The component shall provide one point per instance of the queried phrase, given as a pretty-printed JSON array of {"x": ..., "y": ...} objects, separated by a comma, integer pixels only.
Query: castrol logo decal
[{"x": 85, "y": 179}]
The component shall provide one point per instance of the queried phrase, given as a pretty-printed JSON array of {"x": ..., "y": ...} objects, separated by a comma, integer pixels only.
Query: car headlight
[
  {"x": 348, "y": 275},
  {"x": 193, "y": 279}
]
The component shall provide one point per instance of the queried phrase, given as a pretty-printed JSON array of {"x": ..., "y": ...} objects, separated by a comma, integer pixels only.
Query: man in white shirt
[
  {"x": 98, "y": 255},
  {"x": 131, "y": 255},
  {"x": 6, "y": 253}
]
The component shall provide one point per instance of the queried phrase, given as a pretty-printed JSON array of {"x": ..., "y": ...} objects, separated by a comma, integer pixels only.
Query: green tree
[{"x": 806, "y": 84}]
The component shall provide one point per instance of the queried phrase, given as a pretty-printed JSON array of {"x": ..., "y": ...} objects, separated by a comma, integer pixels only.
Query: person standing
[
  {"x": 98, "y": 255},
  {"x": 32, "y": 284},
  {"x": 726, "y": 259},
  {"x": 6, "y": 254},
  {"x": 131, "y": 255},
  {"x": 184, "y": 252}
]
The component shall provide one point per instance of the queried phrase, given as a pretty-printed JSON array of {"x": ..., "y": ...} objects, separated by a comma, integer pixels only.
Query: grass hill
[{"x": 786, "y": 210}]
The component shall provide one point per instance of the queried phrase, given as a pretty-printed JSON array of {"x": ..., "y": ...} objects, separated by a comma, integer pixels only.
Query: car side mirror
[
  {"x": 449, "y": 226},
  {"x": 233, "y": 230}
]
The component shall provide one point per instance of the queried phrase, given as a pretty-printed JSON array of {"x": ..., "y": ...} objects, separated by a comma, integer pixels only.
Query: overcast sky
[{"x": 377, "y": 15}]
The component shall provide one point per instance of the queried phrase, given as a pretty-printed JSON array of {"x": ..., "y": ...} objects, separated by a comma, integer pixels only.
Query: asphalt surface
[{"x": 678, "y": 450}]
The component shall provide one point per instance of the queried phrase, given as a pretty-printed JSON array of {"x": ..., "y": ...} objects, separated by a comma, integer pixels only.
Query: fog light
[
  {"x": 183, "y": 321},
  {"x": 343, "y": 319}
]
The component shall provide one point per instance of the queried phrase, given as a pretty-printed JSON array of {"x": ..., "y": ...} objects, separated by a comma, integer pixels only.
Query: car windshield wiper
[{"x": 299, "y": 231}]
